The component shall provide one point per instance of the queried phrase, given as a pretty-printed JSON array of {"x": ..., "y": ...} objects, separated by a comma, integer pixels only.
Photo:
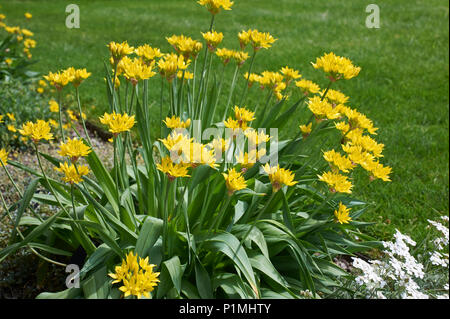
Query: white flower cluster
[{"x": 399, "y": 275}]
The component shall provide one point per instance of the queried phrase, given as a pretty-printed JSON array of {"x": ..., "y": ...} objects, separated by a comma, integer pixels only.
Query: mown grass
[{"x": 403, "y": 86}]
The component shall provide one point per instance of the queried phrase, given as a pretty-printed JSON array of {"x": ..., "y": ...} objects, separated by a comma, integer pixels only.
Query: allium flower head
[
  {"x": 213, "y": 39},
  {"x": 337, "y": 161},
  {"x": 336, "y": 67},
  {"x": 175, "y": 122},
  {"x": 138, "y": 277},
  {"x": 185, "y": 46},
  {"x": 136, "y": 70},
  {"x": 148, "y": 54},
  {"x": 342, "y": 214},
  {"x": 74, "y": 149},
  {"x": 279, "y": 177},
  {"x": 119, "y": 50},
  {"x": 322, "y": 109},
  {"x": 225, "y": 54},
  {"x": 290, "y": 74},
  {"x": 37, "y": 131},
  {"x": 72, "y": 174},
  {"x": 306, "y": 129},
  {"x": 234, "y": 181},
  {"x": 259, "y": 40},
  {"x": 337, "y": 182},
  {"x": 59, "y": 79},
  {"x": 171, "y": 169},
  {"x": 170, "y": 64},
  {"x": 118, "y": 123},
  {"x": 307, "y": 86},
  {"x": 214, "y": 6},
  {"x": 53, "y": 105}
]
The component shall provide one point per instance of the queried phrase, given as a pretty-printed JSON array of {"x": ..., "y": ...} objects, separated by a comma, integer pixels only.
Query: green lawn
[{"x": 403, "y": 86}]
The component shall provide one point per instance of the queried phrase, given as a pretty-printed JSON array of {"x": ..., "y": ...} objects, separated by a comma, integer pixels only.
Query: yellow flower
[
  {"x": 243, "y": 115},
  {"x": 76, "y": 76},
  {"x": 72, "y": 116},
  {"x": 177, "y": 143},
  {"x": 337, "y": 161},
  {"x": 74, "y": 149},
  {"x": 175, "y": 122},
  {"x": 343, "y": 127},
  {"x": 306, "y": 129},
  {"x": 37, "y": 131},
  {"x": 271, "y": 80},
  {"x": 147, "y": 53},
  {"x": 214, "y": 6},
  {"x": 173, "y": 170},
  {"x": 322, "y": 109},
  {"x": 29, "y": 43},
  {"x": 136, "y": 70},
  {"x": 3, "y": 157},
  {"x": 187, "y": 75},
  {"x": 213, "y": 39},
  {"x": 336, "y": 67},
  {"x": 11, "y": 116},
  {"x": 256, "y": 137},
  {"x": 377, "y": 170},
  {"x": 8, "y": 61},
  {"x": 279, "y": 177},
  {"x": 138, "y": 278},
  {"x": 335, "y": 97},
  {"x": 53, "y": 123},
  {"x": 225, "y": 54},
  {"x": 42, "y": 83},
  {"x": 234, "y": 181},
  {"x": 342, "y": 214},
  {"x": 26, "y": 32},
  {"x": 170, "y": 64},
  {"x": 40, "y": 90},
  {"x": 199, "y": 154},
  {"x": 59, "y": 79},
  {"x": 247, "y": 160},
  {"x": 290, "y": 74},
  {"x": 240, "y": 57},
  {"x": 28, "y": 15},
  {"x": 258, "y": 39},
  {"x": 118, "y": 123},
  {"x": 11, "y": 128},
  {"x": 336, "y": 182},
  {"x": 220, "y": 145},
  {"x": 54, "y": 107},
  {"x": 185, "y": 46},
  {"x": 73, "y": 174},
  {"x": 119, "y": 50},
  {"x": 1, "y": 118},
  {"x": 307, "y": 86},
  {"x": 252, "y": 78}
]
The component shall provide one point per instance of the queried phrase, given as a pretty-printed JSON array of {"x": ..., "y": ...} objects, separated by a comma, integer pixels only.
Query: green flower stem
[
  {"x": 161, "y": 106},
  {"x": 326, "y": 91},
  {"x": 91, "y": 247},
  {"x": 116, "y": 167},
  {"x": 233, "y": 84},
  {"x": 5, "y": 207},
  {"x": 18, "y": 189},
  {"x": 244, "y": 91},
  {"x": 60, "y": 115},
  {"x": 116, "y": 64},
  {"x": 218, "y": 92},
  {"x": 81, "y": 116}
]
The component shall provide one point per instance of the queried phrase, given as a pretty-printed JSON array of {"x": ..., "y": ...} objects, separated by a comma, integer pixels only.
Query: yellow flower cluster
[
  {"x": 185, "y": 46},
  {"x": 54, "y": 106},
  {"x": 243, "y": 116},
  {"x": 213, "y": 39},
  {"x": 72, "y": 174},
  {"x": 21, "y": 35},
  {"x": 136, "y": 70},
  {"x": 119, "y": 50},
  {"x": 225, "y": 55},
  {"x": 74, "y": 149},
  {"x": 307, "y": 86},
  {"x": 279, "y": 177},
  {"x": 36, "y": 131},
  {"x": 214, "y": 6},
  {"x": 170, "y": 64},
  {"x": 175, "y": 122},
  {"x": 188, "y": 152},
  {"x": 234, "y": 181},
  {"x": 137, "y": 276},
  {"x": 336, "y": 67},
  {"x": 258, "y": 40},
  {"x": 118, "y": 123},
  {"x": 342, "y": 214},
  {"x": 70, "y": 75},
  {"x": 148, "y": 54}
]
